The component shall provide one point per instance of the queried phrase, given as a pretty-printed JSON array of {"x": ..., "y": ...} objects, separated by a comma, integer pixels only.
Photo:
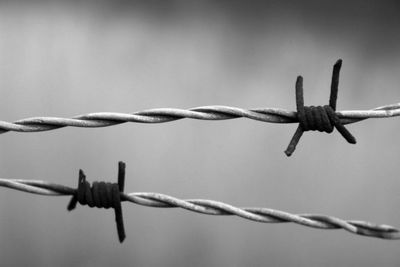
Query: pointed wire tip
[
  {"x": 82, "y": 176},
  {"x": 121, "y": 238},
  {"x": 338, "y": 63},
  {"x": 288, "y": 153},
  {"x": 353, "y": 141},
  {"x": 71, "y": 206},
  {"x": 293, "y": 142},
  {"x": 121, "y": 164}
]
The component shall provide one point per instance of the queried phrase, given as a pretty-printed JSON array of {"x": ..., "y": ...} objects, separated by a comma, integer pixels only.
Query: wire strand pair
[{"x": 209, "y": 207}]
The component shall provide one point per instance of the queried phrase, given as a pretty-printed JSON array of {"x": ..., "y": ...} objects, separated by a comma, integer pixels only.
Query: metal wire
[
  {"x": 212, "y": 207},
  {"x": 160, "y": 115},
  {"x": 318, "y": 118}
]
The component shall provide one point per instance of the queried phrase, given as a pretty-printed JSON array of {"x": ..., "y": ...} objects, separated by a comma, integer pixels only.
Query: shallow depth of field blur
[{"x": 71, "y": 57}]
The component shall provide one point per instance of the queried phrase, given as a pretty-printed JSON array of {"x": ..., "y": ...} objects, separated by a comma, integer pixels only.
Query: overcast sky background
[{"x": 73, "y": 57}]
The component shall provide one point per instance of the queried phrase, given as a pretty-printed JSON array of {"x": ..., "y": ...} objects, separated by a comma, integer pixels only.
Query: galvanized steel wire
[
  {"x": 161, "y": 115},
  {"x": 321, "y": 118},
  {"x": 212, "y": 207}
]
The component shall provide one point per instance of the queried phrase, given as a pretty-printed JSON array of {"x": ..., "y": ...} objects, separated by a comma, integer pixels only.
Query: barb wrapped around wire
[
  {"x": 212, "y": 207},
  {"x": 310, "y": 118},
  {"x": 102, "y": 195},
  {"x": 321, "y": 118}
]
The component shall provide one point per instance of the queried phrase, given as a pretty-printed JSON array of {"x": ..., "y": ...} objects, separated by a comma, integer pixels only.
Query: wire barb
[
  {"x": 102, "y": 195},
  {"x": 204, "y": 206},
  {"x": 311, "y": 118},
  {"x": 321, "y": 118}
]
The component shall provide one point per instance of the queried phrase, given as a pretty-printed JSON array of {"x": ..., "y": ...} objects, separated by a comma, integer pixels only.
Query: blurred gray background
[{"x": 73, "y": 57}]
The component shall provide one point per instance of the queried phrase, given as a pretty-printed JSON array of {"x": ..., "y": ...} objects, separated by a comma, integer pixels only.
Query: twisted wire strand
[
  {"x": 212, "y": 207},
  {"x": 161, "y": 115}
]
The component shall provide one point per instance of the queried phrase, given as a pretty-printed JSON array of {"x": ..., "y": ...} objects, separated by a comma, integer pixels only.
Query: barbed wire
[
  {"x": 212, "y": 207},
  {"x": 109, "y": 195},
  {"x": 322, "y": 118},
  {"x": 162, "y": 115}
]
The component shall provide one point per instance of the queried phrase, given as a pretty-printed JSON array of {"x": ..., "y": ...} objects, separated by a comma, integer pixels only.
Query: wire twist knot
[
  {"x": 102, "y": 195},
  {"x": 321, "y": 118}
]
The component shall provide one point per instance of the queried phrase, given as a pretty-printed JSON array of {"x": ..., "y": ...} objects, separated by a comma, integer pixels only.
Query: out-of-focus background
[{"x": 73, "y": 57}]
